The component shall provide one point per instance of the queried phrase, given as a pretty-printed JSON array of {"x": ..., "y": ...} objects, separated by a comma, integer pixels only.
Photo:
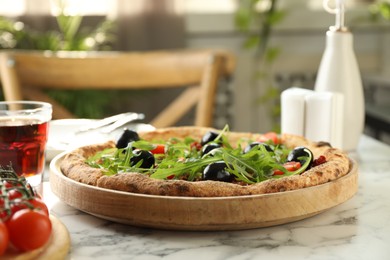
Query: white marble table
[{"x": 356, "y": 229}]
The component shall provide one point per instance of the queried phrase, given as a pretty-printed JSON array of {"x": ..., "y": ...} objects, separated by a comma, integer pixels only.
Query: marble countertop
[{"x": 356, "y": 229}]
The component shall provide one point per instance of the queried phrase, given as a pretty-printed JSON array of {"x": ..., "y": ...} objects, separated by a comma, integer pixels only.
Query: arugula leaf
[
  {"x": 254, "y": 166},
  {"x": 191, "y": 168}
]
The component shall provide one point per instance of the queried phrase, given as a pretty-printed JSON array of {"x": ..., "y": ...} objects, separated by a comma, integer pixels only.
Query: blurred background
[{"x": 278, "y": 44}]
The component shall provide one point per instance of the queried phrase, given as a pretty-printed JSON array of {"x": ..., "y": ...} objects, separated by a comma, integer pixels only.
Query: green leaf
[
  {"x": 384, "y": 10},
  {"x": 242, "y": 19},
  {"x": 251, "y": 42},
  {"x": 271, "y": 54},
  {"x": 180, "y": 168},
  {"x": 270, "y": 94},
  {"x": 276, "y": 17}
]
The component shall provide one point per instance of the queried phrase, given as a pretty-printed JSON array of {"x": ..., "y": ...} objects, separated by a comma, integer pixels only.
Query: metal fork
[
  {"x": 130, "y": 117},
  {"x": 111, "y": 123}
]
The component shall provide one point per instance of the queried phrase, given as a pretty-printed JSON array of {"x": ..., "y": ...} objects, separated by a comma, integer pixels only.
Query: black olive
[
  {"x": 208, "y": 137},
  {"x": 254, "y": 144},
  {"x": 294, "y": 155},
  {"x": 209, "y": 147},
  {"x": 146, "y": 157},
  {"x": 217, "y": 172},
  {"x": 127, "y": 137}
]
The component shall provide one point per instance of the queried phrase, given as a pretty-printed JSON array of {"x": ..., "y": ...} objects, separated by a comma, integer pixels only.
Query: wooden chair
[{"x": 24, "y": 74}]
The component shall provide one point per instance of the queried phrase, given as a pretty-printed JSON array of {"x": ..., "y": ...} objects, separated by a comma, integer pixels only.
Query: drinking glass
[{"x": 23, "y": 137}]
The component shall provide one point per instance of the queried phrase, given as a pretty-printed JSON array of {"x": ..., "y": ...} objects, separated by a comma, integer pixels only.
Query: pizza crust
[{"x": 74, "y": 167}]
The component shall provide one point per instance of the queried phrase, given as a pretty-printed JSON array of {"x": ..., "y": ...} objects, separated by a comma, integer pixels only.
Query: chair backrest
[{"x": 24, "y": 74}]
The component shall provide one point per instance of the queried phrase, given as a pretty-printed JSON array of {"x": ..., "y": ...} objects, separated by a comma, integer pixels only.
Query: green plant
[
  {"x": 257, "y": 24},
  {"x": 380, "y": 9},
  {"x": 69, "y": 36}
]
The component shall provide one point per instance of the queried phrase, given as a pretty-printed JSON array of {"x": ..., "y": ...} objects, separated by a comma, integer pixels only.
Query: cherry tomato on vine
[
  {"x": 3, "y": 215},
  {"x": 14, "y": 194},
  {"x": 17, "y": 205},
  {"x": 29, "y": 229},
  {"x": 35, "y": 203},
  {"x": 38, "y": 204},
  {"x": 4, "y": 238},
  {"x": 12, "y": 184}
]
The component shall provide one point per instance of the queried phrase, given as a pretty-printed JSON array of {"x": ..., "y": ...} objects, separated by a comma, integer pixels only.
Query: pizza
[{"x": 205, "y": 162}]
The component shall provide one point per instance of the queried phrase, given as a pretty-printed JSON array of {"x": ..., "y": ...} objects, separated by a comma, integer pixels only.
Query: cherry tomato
[
  {"x": 278, "y": 172},
  {"x": 320, "y": 160},
  {"x": 29, "y": 229},
  {"x": 17, "y": 205},
  {"x": 289, "y": 166},
  {"x": 8, "y": 184},
  {"x": 292, "y": 166},
  {"x": 3, "y": 215},
  {"x": 14, "y": 194},
  {"x": 196, "y": 145},
  {"x": 4, "y": 238},
  {"x": 38, "y": 204},
  {"x": 270, "y": 136},
  {"x": 159, "y": 149}
]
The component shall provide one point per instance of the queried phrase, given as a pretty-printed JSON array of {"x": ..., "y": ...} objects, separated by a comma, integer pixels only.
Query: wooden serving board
[
  {"x": 193, "y": 213},
  {"x": 56, "y": 248}
]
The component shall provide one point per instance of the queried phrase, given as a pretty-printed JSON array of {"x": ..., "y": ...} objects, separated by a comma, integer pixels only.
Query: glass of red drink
[{"x": 23, "y": 136}]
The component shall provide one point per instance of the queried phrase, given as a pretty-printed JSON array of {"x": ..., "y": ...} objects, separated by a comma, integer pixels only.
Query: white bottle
[{"x": 339, "y": 72}]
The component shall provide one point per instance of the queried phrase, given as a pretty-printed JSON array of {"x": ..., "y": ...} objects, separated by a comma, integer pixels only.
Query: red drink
[{"x": 22, "y": 144}]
